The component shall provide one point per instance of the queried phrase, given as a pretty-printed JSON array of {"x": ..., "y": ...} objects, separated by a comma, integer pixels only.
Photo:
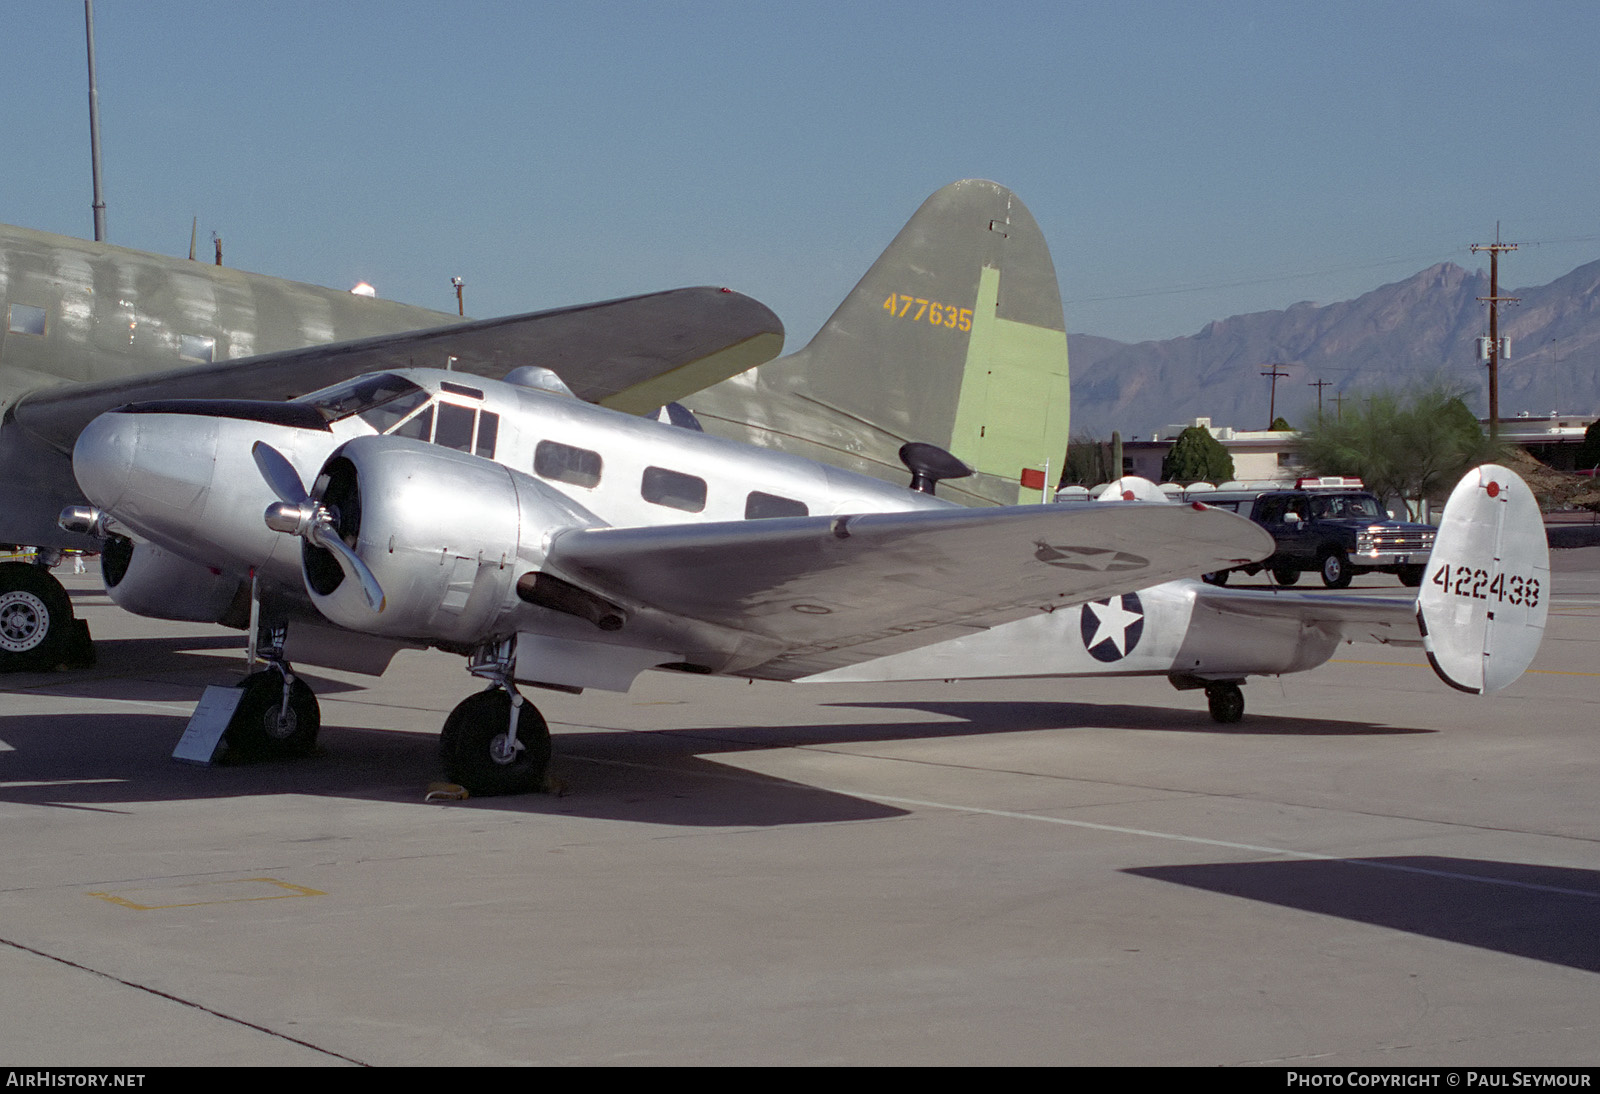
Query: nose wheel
[{"x": 495, "y": 742}]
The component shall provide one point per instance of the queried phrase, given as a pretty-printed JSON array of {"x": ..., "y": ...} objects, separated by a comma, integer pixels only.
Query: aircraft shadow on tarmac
[
  {"x": 100, "y": 761},
  {"x": 663, "y": 776},
  {"x": 1546, "y": 913},
  {"x": 1037, "y": 715},
  {"x": 169, "y": 669}
]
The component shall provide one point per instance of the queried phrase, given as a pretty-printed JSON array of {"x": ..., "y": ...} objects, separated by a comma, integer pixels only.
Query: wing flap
[
  {"x": 1387, "y": 620},
  {"x": 633, "y": 354},
  {"x": 830, "y": 591}
]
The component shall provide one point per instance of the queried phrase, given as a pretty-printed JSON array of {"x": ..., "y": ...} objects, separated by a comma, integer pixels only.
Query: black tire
[
  {"x": 1411, "y": 576},
  {"x": 473, "y": 745},
  {"x": 1286, "y": 575},
  {"x": 257, "y": 732},
  {"x": 36, "y": 624},
  {"x": 1219, "y": 577},
  {"x": 1226, "y": 702},
  {"x": 1335, "y": 567}
]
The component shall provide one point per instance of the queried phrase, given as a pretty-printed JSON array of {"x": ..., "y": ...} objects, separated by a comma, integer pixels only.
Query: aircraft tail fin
[
  {"x": 954, "y": 337},
  {"x": 1484, "y": 600}
]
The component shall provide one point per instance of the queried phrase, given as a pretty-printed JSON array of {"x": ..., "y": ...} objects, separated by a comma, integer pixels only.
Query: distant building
[
  {"x": 1267, "y": 455},
  {"x": 1262, "y": 455}
]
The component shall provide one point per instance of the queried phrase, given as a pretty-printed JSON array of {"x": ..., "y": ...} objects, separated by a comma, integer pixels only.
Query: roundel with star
[{"x": 1112, "y": 628}]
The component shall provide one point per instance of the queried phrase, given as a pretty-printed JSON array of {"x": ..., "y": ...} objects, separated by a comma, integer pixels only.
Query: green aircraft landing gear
[{"x": 38, "y": 631}]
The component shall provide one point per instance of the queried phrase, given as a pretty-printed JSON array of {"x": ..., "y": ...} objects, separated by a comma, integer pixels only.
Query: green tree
[
  {"x": 1088, "y": 463},
  {"x": 1412, "y": 444},
  {"x": 1588, "y": 454},
  {"x": 1279, "y": 425},
  {"x": 1196, "y": 455}
]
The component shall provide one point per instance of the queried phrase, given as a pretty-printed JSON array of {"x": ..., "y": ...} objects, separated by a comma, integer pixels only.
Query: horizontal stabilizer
[{"x": 1483, "y": 604}]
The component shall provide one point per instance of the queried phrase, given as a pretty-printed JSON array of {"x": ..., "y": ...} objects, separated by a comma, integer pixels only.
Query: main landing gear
[
  {"x": 277, "y": 717},
  {"x": 37, "y": 628},
  {"x": 496, "y": 742}
]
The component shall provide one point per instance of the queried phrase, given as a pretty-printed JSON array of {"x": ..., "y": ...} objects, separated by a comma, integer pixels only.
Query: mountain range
[{"x": 1413, "y": 331}]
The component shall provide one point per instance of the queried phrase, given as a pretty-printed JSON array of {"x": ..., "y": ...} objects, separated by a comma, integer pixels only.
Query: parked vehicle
[{"x": 1329, "y": 526}]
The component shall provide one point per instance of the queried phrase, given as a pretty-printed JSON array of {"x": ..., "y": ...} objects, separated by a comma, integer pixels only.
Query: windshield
[
  {"x": 1359, "y": 506},
  {"x": 381, "y": 399}
]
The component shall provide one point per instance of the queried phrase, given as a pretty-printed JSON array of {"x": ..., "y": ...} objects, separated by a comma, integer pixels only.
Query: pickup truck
[{"x": 1337, "y": 531}]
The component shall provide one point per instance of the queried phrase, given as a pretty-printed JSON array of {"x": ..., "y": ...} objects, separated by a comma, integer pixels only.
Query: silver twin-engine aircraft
[
  {"x": 566, "y": 545},
  {"x": 529, "y": 525}
]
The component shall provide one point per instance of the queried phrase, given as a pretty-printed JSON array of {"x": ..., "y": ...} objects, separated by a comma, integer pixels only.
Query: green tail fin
[{"x": 954, "y": 337}]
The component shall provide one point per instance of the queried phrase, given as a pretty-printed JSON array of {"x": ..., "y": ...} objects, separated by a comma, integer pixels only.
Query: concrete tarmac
[{"x": 1371, "y": 869}]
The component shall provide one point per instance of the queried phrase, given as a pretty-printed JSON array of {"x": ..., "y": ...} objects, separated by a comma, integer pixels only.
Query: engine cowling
[
  {"x": 146, "y": 580},
  {"x": 445, "y": 534}
]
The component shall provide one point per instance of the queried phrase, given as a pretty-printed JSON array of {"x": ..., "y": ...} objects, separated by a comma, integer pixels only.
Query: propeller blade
[
  {"x": 279, "y": 473},
  {"x": 325, "y": 537}
]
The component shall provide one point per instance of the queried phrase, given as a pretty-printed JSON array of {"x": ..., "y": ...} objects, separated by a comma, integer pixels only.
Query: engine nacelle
[
  {"x": 146, "y": 580},
  {"x": 446, "y": 535}
]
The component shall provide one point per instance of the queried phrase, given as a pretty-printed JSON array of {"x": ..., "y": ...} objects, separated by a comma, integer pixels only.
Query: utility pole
[
  {"x": 1272, "y": 406},
  {"x": 1319, "y": 384},
  {"x": 1494, "y": 300},
  {"x": 94, "y": 126}
]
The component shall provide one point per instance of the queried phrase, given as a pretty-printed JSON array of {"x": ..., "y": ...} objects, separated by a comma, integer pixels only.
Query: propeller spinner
[{"x": 297, "y": 513}]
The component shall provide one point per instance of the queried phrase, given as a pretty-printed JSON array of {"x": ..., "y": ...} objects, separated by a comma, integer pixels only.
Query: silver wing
[{"x": 786, "y": 598}]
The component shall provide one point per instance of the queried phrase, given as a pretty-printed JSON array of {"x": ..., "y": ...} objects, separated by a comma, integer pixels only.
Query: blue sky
[{"x": 1187, "y": 161}]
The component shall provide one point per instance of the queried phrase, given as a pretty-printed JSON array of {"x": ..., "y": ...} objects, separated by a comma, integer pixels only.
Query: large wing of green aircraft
[{"x": 633, "y": 354}]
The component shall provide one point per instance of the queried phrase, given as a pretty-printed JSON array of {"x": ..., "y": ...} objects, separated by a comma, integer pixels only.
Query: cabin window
[
  {"x": 195, "y": 347},
  {"x": 564, "y": 463},
  {"x": 454, "y": 427},
  {"x": 461, "y": 389},
  {"x": 673, "y": 489},
  {"x": 26, "y": 319},
  {"x": 758, "y": 506},
  {"x": 488, "y": 433}
]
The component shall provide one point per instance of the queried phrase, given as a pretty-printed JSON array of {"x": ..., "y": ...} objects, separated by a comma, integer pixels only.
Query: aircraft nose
[{"x": 146, "y": 465}]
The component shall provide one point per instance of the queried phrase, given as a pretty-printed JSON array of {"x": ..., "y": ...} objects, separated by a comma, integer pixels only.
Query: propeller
[{"x": 297, "y": 513}]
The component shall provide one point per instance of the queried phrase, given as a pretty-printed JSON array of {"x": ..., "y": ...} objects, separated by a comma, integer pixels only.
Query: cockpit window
[{"x": 381, "y": 400}]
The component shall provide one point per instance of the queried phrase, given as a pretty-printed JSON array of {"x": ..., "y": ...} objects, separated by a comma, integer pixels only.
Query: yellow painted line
[{"x": 172, "y": 896}]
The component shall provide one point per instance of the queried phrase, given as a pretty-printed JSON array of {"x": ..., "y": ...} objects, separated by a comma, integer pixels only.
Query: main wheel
[
  {"x": 1218, "y": 577},
  {"x": 35, "y": 618},
  {"x": 1335, "y": 566},
  {"x": 1286, "y": 575},
  {"x": 479, "y": 753},
  {"x": 1411, "y": 576},
  {"x": 1226, "y": 702},
  {"x": 261, "y": 729}
]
